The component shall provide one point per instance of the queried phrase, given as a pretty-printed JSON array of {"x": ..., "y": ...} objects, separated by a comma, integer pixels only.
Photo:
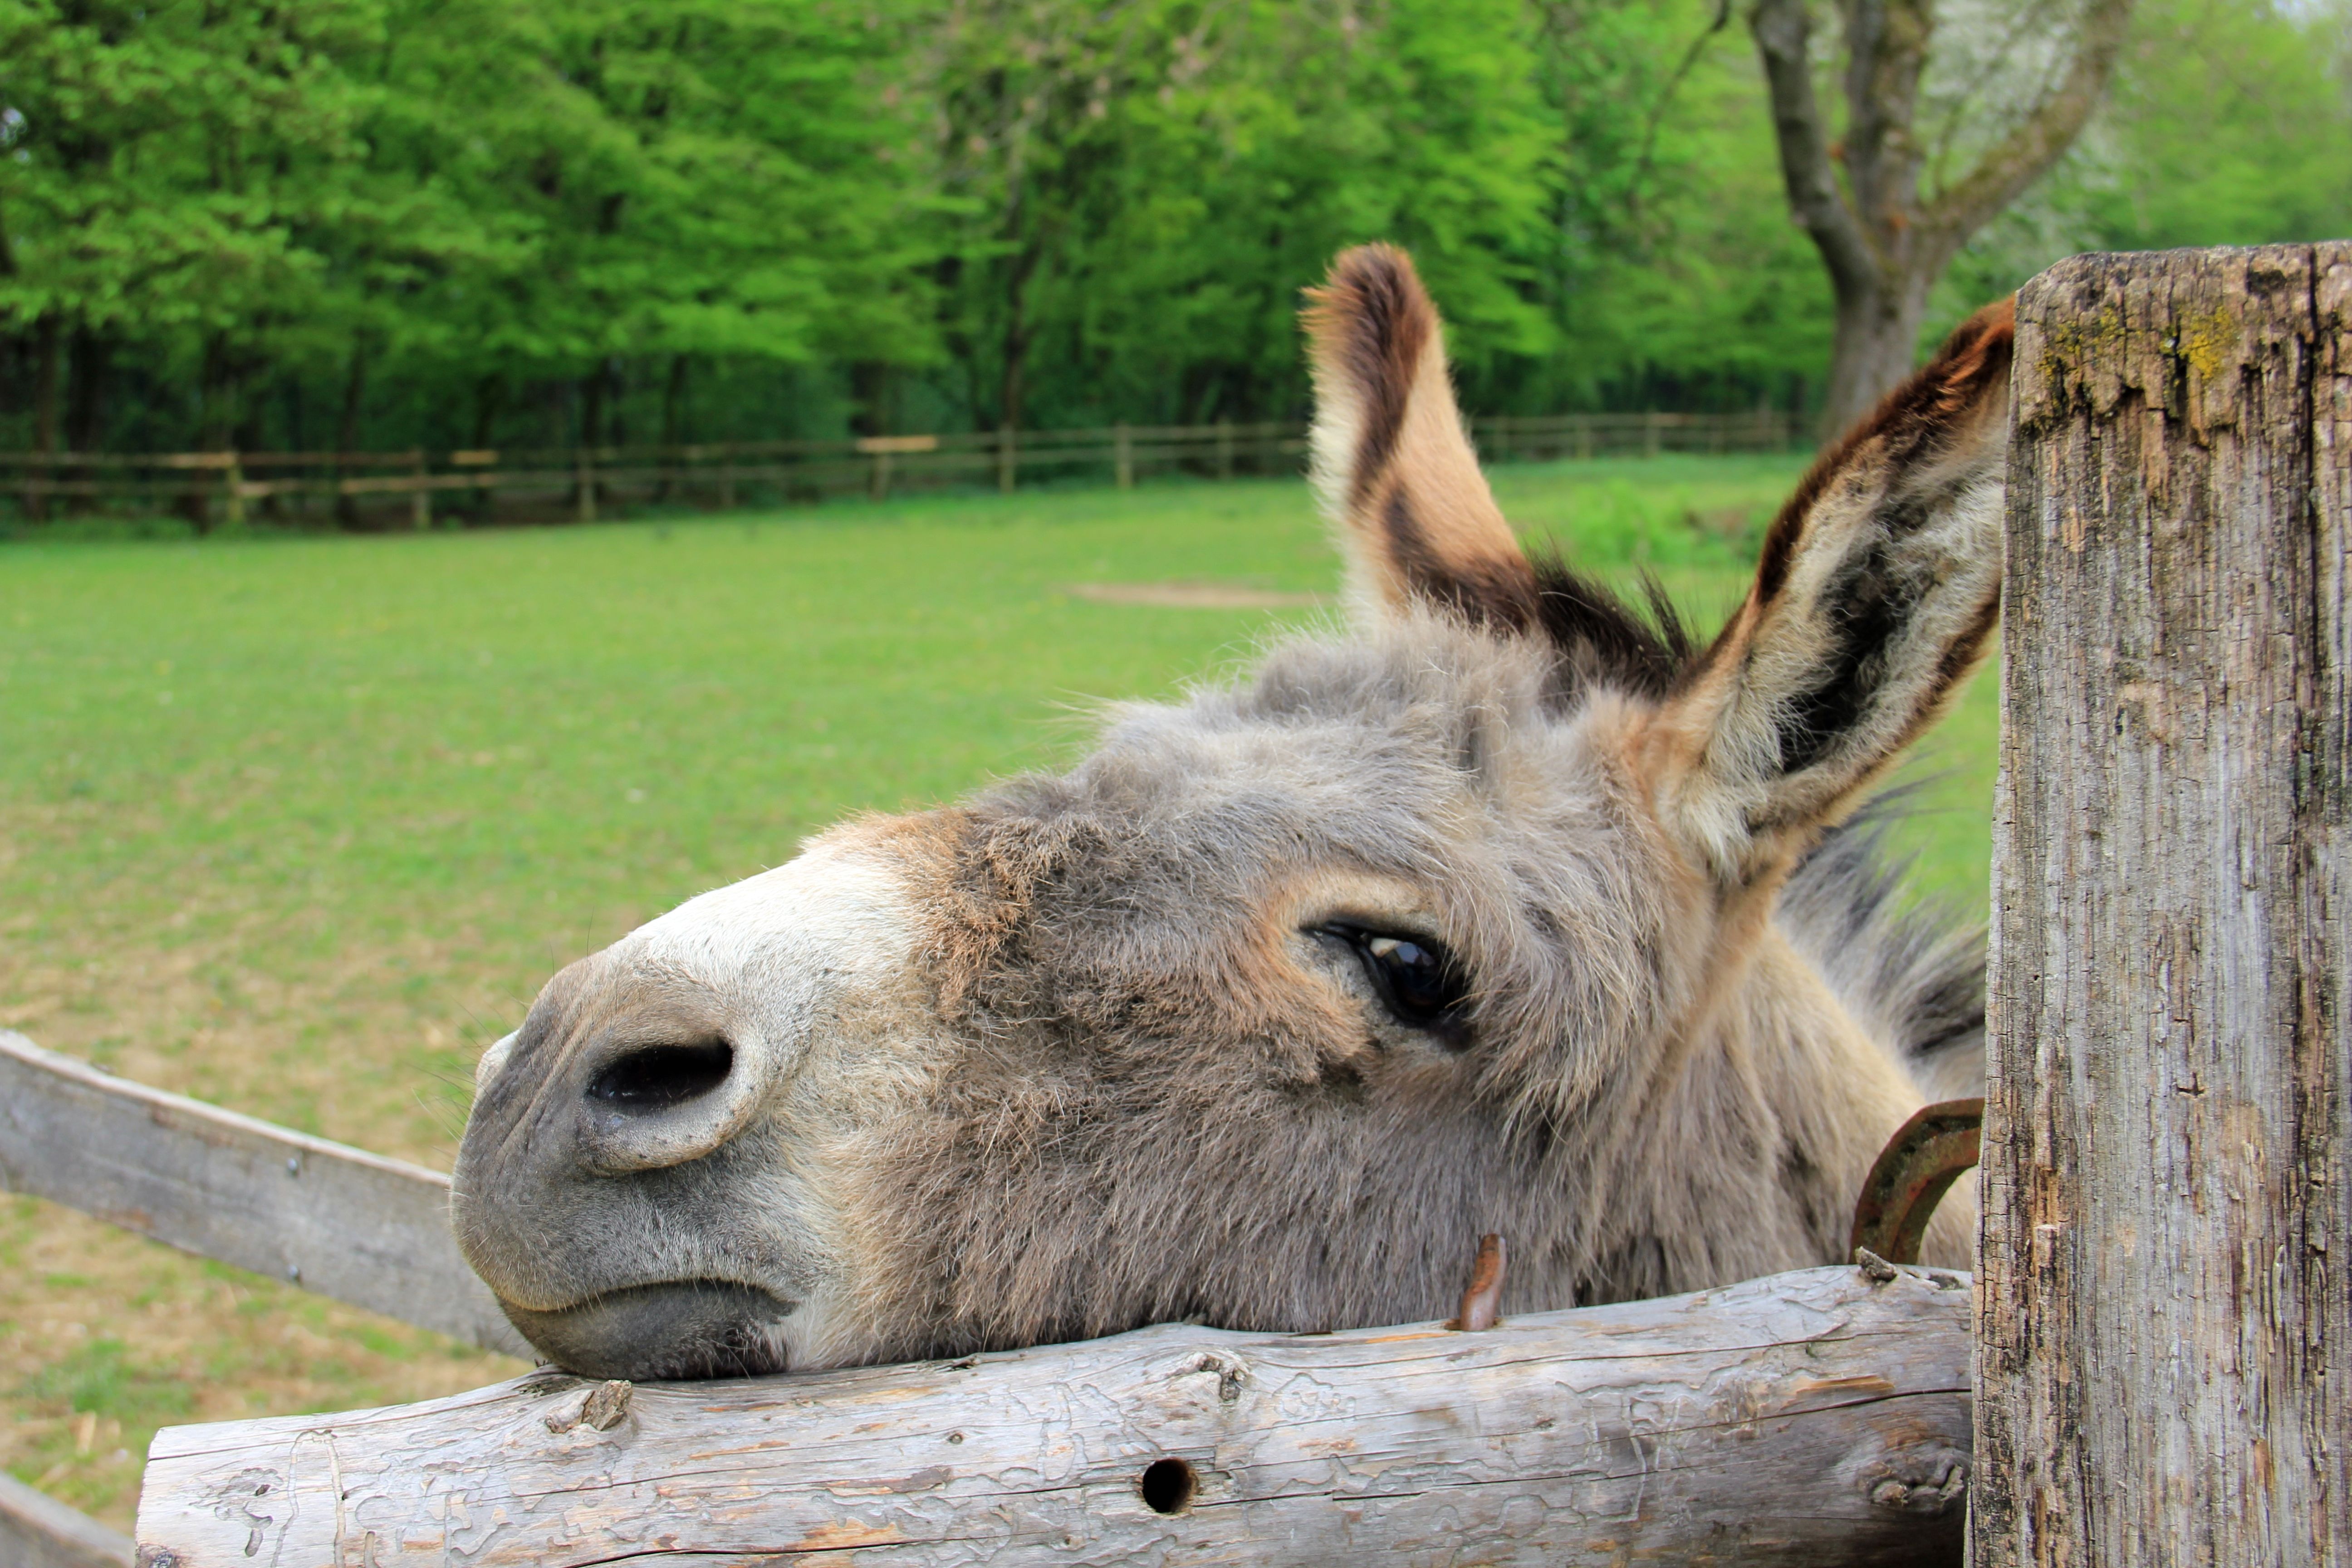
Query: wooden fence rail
[
  {"x": 358, "y": 1226},
  {"x": 579, "y": 482},
  {"x": 1812, "y": 1418},
  {"x": 38, "y": 1531}
]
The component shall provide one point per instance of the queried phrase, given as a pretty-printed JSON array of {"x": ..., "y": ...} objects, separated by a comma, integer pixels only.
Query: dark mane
[
  {"x": 1602, "y": 640},
  {"x": 1913, "y": 971}
]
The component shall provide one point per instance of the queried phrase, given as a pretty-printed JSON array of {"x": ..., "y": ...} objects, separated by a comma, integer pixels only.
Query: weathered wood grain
[
  {"x": 2167, "y": 1201},
  {"x": 351, "y": 1224},
  {"x": 38, "y": 1531},
  {"x": 1811, "y": 1419}
]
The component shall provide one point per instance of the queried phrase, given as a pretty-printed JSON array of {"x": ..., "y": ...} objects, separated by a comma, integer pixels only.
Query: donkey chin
[{"x": 686, "y": 1327}]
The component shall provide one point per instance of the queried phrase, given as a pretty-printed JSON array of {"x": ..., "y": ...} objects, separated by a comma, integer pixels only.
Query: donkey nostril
[{"x": 658, "y": 1078}]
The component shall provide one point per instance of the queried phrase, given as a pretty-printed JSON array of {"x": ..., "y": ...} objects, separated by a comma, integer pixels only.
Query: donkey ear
[
  {"x": 1876, "y": 595},
  {"x": 1394, "y": 468}
]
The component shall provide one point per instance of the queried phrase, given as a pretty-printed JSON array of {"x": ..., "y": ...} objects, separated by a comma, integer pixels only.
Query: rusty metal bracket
[{"x": 1911, "y": 1175}]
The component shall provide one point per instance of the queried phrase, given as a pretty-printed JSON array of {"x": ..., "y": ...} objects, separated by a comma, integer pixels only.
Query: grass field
[{"x": 300, "y": 824}]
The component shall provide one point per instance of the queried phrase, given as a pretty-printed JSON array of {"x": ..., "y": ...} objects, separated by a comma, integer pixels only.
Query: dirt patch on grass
[{"x": 1193, "y": 595}]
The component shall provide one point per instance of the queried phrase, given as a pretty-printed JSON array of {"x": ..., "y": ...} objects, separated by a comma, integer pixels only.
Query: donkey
[{"x": 1512, "y": 909}]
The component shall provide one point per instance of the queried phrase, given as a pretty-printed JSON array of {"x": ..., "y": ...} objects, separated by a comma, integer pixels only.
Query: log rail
[{"x": 1820, "y": 1417}]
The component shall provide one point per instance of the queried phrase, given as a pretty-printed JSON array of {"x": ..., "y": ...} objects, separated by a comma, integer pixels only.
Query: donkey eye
[{"x": 1419, "y": 980}]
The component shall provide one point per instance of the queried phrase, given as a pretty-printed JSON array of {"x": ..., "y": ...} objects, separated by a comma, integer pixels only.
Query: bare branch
[
  {"x": 1958, "y": 100},
  {"x": 1886, "y": 50},
  {"x": 1666, "y": 97},
  {"x": 2021, "y": 156},
  {"x": 1782, "y": 30}
]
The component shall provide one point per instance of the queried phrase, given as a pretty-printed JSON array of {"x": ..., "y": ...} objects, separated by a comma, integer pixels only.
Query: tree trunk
[
  {"x": 1016, "y": 338},
  {"x": 215, "y": 401},
  {"x": 47, "y": 353},
  {"x": 489, "y": 397},
  {"x": 1009, "y": 389},
  {"x": 347, "y": 427},
  {"x": 591, "y": 405},
  {"x": 91, "y": 359},
  {"x": 869, "y": 398},
  {"x": 2162, "y": 1312},
  {"x": 616, "y": 393},
  {"x": 674, "y": 400},
  {"x": 1858, "y": 197},
  {"x": 673, "y": 432},
  {"x": 591, "y": 420},
  {"x": 250, "y": 432},
  {"x": 211, "y": 427},
  {"x": 48, "y": 366},
  {"x": 1876, "y": 346}
]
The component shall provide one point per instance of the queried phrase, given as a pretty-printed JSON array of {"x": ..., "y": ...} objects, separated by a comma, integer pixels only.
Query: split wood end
[{"x": 1480, "y": 1301}]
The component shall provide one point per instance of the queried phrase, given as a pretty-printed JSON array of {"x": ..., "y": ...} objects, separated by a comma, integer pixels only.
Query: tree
[
  {"x": 1674, "y": 270},
  {"x": 1150, "y": 185},
  {"x": 1886, "y": 232}
]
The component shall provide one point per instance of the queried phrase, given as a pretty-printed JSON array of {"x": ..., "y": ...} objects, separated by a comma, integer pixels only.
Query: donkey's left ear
[
  {"x": 1876, "y": 596},
  {"x": 1397, "y": 474}
]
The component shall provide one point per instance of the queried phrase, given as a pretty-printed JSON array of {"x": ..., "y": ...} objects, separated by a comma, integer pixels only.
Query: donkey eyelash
[{"x": 1420, "y": 983}]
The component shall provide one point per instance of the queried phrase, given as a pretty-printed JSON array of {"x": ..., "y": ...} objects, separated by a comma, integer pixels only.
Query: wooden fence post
[
  {"x": 420, "y": 499},
  {"x": 1225, "y": 448},
  {"x": 2164, "y": 1333},
  {"x": 1123, "y": 456},
  {"x": 1008, "y": 459},
  {"x": 585, "y": 477},
  {"x": 232, "y": 490}
]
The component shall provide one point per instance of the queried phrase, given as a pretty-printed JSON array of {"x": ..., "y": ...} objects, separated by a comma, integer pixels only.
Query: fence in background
[{"x": 383, "y": 489}]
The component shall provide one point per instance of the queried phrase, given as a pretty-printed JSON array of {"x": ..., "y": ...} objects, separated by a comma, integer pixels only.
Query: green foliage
[
  {"x": 254, "y": 199},
  {"x": 1149, "y": 186},
  {"x": 321, "y": 222},
  {"x": 2229, "y": 123}
]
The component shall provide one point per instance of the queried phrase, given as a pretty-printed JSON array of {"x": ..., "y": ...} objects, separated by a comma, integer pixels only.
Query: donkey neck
[{"x": 1757, "y": 1138}]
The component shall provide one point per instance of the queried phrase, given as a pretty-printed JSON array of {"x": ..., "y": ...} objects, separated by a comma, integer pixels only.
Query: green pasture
[
  {"x": 285, "y": 751},
  {"x": 298, "y": 823}
]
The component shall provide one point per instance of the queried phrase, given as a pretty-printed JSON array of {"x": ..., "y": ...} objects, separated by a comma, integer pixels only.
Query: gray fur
[
  {"x": 1913, "y": 972},
  {"x": 1130, "y": 1120}
]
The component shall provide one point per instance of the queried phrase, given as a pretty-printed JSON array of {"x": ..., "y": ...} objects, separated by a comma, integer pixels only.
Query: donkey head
[{"x": 1479, "y": 917}]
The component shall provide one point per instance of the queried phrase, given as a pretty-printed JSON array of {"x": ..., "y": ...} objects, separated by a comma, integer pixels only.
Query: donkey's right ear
[
  {"x": 1875, "y": 598},
  {"x": 1395, "y": 471}
]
